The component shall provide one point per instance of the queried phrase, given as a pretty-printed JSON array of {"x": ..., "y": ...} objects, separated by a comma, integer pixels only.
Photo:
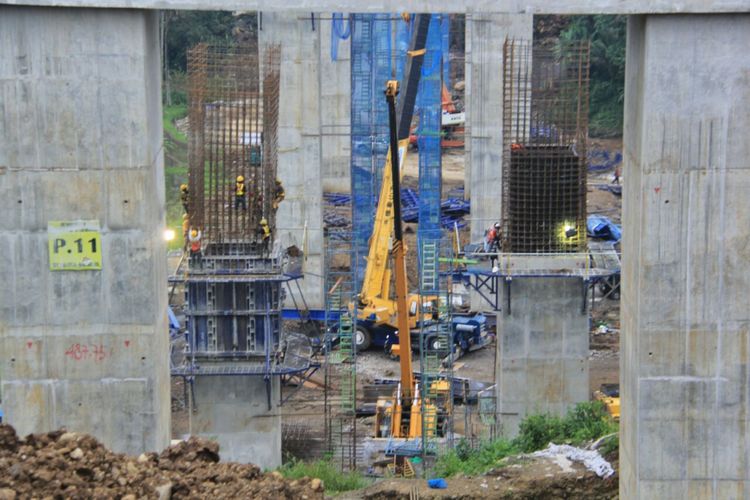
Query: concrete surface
[
  {"x": 335, "y": 105},
  {"x": 299, "y": 220},
  {"x": 542, "y": 350},
  {"x": 81, "y": 138},
  {"x": 234, "y": 411},
  {"x": 686, "y": 259},
  {"x": 435, "y": 6},
  {"x": 485, "y": 36}
]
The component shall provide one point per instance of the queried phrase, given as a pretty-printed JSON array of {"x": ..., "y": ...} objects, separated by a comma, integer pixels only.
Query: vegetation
[
  {"x": 586, "y": 422},
  {"x": 175, "y": 169},
  {"x": 333, "y": 479},
  {"x": 186, "y": 28},
  {"x": 607, "y": 78}
]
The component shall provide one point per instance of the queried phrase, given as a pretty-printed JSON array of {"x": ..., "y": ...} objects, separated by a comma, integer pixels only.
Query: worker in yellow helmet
[
  {"x": 278, "y": 194},
  {"x": 239, "y": 193},
  {"x": 264, "y": 231},
  {"x": 184, "y": 196},
  {"x": 196, "y": 250}
]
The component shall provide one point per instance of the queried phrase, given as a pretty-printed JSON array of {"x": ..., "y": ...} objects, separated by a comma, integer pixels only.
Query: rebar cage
[
  {"x": 233, "y": 116},
  {"x": 545, "y": 127}
]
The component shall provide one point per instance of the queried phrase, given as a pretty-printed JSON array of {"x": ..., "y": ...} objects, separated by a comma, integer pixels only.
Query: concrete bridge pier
[
  {"x": 686, "y": 258},
  {"x": 299, "y": 220},
  {"x": 81, "y": 139}
]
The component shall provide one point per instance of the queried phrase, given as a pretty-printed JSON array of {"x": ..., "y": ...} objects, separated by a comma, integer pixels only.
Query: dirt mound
[{"x": 70, "y": 465}]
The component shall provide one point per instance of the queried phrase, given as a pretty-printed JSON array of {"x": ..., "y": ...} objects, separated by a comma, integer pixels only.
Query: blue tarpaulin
[
  {"x": 599, "y": 226},
  {"x": 173, "y": 323}
]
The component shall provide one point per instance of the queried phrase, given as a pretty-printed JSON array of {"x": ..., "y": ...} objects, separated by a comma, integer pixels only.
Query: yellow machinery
[{"x": 609, "y": 394}]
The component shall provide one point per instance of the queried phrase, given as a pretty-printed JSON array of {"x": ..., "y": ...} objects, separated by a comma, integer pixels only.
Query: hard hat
[
  {"x": 278, "y": 181},
  {"x": 183, "y": 187},
  {"x": 240, "y": 178},
  {"x": 497, "y": 225},
  {"x": 264, "y": 221},
  {"x": 193, "y": 233}
]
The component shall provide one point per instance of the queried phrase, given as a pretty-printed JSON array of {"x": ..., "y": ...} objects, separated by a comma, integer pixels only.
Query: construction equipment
[
  {"x": 377, "y": 312},
  {"x": 609, "y": 394},
  {"x": 398, "y": 416},
  {"x": 452, "y": 121}
]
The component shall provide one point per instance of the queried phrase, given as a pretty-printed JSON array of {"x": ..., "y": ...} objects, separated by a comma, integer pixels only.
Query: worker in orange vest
[
  {"x": 196, "y": 253},
  {"x": 492, "y": 239}
]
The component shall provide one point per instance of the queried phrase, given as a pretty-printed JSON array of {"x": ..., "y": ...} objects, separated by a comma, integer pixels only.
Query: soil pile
[{"x": 70, "y": 465}]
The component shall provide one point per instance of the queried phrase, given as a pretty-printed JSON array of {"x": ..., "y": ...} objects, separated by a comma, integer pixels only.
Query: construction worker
[
  {"x": 492, "y": 239},
  {"x": 616, "y": 178},
  {"x": 239, "y": 193},
  {"x": 184, "y": 196},
  {"x": 278, "y": 194},
  {"x": 264, "y": 231},
  {"x": 196, "y": 253},
  {"x": 185, "y": 229}
]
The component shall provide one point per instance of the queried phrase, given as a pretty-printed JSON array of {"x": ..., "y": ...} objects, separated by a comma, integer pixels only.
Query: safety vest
[{"x": 239, "y": 189}]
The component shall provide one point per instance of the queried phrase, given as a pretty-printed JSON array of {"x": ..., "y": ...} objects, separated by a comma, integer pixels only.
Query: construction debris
[
  {"x": 71, "y": 465},
  {"x": 591, "y": 459}
]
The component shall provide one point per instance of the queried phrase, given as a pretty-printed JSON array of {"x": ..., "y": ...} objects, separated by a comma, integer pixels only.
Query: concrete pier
[
  {"x": 542, "y": 343},
  {"x": 300, "y": 216},
  {"x": 335, "y": 104},
  {"x": 686, "y": 215},
  {"x": 485, "y": 36},
  {"x": 234, "y": 412},
  {"x": 81, "y": 139}
]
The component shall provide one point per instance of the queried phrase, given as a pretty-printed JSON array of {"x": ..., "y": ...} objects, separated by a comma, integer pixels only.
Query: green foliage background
[{"x": 607, "y": 85}]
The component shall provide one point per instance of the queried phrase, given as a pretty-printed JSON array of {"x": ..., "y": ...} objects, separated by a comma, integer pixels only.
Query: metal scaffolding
[
  {"x": 340, "y": 364},
  {"x": 436, "y": 347},
  {"x": 545, "y": 127}
]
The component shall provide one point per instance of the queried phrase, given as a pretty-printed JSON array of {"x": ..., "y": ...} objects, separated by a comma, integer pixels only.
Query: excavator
[{"x": 400, "y": 415}]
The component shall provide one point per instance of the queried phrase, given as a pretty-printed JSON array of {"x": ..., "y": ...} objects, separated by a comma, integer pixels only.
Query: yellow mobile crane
[
  {"x": 377, "y": 314},
  {"x": 398, "y": 416}
]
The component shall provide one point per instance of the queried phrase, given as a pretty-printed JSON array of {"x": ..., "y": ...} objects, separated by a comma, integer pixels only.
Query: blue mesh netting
[
  {"x": 445, "y": 30},
  {"x": 371, "y": 68},
  {"x": 339, "y": 31},
  {"x": 428, "y": 136},
  {"x": 361, "y": 131}
]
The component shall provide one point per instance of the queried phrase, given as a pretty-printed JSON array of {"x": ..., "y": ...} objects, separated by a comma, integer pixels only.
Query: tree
[
  {"x": 184, "y": 29},
  {"x": 607, "y": 78}
]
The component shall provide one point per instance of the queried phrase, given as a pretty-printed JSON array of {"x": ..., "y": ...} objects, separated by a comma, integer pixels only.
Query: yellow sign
[{"x": 74, "y": 245}]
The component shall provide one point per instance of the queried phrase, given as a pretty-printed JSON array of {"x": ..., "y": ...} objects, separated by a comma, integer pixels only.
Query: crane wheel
[{"x": 362, "y": 338}]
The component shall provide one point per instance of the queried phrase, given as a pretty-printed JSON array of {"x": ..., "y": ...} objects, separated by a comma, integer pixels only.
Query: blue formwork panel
[{"x": 229, "y": 318}]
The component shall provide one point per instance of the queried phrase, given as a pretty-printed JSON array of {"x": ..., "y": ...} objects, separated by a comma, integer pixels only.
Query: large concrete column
[
  {"x": 299, "y": 220},
  {"x": 233, "y": 410},
  {"x": 335, "y": 104},
  {"x": 485, "y": 36},
  {"x": 686, "y": 259},
  {"x": 542, "y": 343},
  {"x": 81, "y": 138}
]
